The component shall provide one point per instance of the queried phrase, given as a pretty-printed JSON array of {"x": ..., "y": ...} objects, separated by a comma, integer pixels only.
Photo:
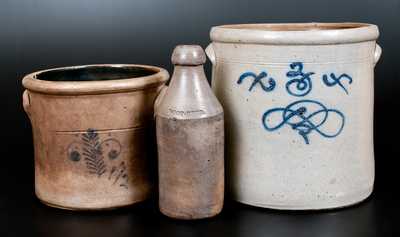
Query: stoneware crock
[
  {"x": 298, "y": 101},
  {"x": 93, "y": 133}
]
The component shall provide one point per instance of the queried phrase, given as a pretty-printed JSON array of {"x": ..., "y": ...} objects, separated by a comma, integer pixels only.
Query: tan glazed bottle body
[{"x": 190, "y": 138}]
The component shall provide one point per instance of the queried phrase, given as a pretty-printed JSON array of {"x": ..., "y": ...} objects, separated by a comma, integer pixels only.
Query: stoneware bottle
[{"x": 190, "y": 138}]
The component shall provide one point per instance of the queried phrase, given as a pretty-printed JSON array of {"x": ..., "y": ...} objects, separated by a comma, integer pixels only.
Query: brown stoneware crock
[{"x": 93, "y": 132}]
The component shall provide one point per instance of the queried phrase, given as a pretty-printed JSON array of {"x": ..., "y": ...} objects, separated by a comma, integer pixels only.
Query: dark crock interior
[{"x": 95, "y": 73}]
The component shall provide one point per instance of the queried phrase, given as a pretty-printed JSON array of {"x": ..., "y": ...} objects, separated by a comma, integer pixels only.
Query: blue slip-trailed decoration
[
  {"x": 333, "y": 80},
  {"x": 301, "y": 83},
  {"x": 258, "y": 80},
  {"x": 304, "y": 116},
  {"x": 91, "y": 150}
]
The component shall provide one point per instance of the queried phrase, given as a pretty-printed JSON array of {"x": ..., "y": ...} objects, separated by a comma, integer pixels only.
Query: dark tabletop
[{"x": 23, "y": 215}]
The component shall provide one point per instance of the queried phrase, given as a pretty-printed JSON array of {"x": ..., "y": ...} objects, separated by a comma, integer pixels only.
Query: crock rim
[
  {"x": 313, "y": 33},
  {"x": 31, "y": 83}
]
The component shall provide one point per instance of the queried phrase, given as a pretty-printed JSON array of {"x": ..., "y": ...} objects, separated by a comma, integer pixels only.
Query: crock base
[
  {"x": 354, "y": 201},
  {"x": 94, "y": 209}
]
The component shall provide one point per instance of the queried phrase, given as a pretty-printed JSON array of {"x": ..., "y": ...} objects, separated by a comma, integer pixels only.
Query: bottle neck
[{"x": 188, "y": 73}]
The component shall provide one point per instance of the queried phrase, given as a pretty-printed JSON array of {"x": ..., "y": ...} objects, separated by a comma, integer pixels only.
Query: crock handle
[
  {"x": 159, "y": 98},
  {"x": 210, "y": 53},
  {"x": 26, "y": 103},
  {"x": 377, "y": 54}
]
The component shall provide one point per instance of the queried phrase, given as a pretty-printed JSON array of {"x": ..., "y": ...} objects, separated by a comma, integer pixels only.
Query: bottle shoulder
[{"x": 189, "y": 96}]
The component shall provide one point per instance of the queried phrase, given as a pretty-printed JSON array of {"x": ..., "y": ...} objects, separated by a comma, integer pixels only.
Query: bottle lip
[
  {"x": 295, "y": 33},
  {"x": 188, "y": 55}
]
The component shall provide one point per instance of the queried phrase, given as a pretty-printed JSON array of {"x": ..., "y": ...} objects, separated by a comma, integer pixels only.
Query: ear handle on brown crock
[
  {"x": 159, "y": 98},
  {"x": 26, "y": 103},
  {"x": 210, "y": 53},
  {"x": 377, "y": 54}
]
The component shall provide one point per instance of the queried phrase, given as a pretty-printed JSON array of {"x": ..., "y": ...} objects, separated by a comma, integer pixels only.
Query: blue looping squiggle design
[
  {"x": 258, "y": 80},
  {"x": 301, "y": 81},
  {"x": 299, "y": 118},
  {"x": 333, "y": 80}
]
